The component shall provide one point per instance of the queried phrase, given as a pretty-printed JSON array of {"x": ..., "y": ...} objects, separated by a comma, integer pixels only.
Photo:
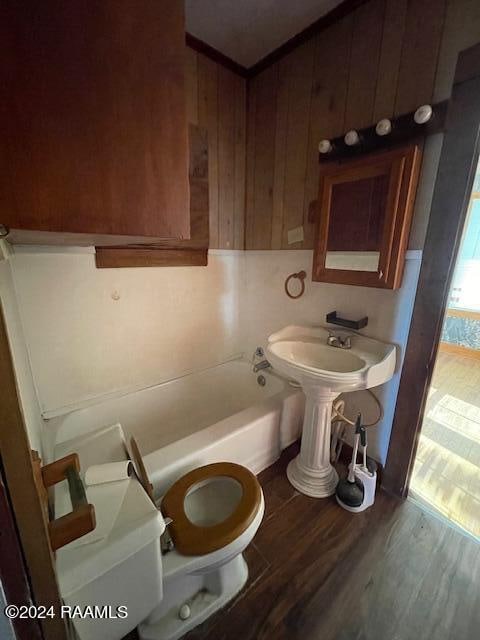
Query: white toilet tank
[{"x": 111, "y": 579}]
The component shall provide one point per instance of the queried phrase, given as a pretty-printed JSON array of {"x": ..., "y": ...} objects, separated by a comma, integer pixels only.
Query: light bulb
[
  {"x": 351, "y": 138},
  {"x": 324, "y": 146},
  {"x": 423, "y": 114},
  {"x": 384, "y": 127}
]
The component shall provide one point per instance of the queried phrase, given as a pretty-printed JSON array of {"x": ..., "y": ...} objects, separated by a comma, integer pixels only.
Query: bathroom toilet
[
  {"x": 212, "y": 514},
  {"x": 215, "y": 511}
]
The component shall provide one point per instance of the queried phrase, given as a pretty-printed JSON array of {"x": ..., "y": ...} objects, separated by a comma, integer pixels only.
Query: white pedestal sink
[{"x": 325, "y": 371}]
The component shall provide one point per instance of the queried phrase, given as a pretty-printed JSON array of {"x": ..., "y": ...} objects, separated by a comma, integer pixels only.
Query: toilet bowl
[{"x": 215, "y": 511}]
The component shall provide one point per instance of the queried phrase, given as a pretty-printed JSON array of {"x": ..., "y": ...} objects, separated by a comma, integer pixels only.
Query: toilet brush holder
[{"x": 369, "y": 482}]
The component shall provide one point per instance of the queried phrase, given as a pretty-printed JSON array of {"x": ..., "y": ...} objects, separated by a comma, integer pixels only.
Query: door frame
[
  {"x": 456, "y": 172},
  {"x": 26, "y": 506},
  {"x": 13, "y": 573}
]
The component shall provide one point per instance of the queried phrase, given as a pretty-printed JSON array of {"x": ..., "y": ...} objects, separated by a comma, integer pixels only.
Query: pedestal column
[{"x": 311, "y": 472}]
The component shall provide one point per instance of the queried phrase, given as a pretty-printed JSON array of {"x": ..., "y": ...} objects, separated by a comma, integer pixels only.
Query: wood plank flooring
[
  {"x": 446, "y": 474},
  {"x": 318, "y": 572}
]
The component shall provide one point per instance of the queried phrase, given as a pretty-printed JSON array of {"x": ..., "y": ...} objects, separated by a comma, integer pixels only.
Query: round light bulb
[
  {"x": 423, "y": 114},
  {"x": 351, "y": 138},
  {"x": 324, "y": 146},
  {"x": 384, "y": 127}
]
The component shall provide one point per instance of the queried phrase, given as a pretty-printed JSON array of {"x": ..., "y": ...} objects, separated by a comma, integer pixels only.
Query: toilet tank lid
[
  {"x": 132, "y": 532},
  {"x": 137, "y": 524}
]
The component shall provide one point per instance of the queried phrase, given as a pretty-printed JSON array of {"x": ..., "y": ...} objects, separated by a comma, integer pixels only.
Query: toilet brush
[{"x": 349, "y": 491}]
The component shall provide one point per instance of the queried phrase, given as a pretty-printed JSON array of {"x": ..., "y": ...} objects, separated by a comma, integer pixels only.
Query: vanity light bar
[{"x": 425, "y": 120}]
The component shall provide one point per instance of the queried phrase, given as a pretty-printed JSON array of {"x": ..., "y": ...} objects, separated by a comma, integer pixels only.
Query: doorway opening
[{"x": 446, "y": 471}]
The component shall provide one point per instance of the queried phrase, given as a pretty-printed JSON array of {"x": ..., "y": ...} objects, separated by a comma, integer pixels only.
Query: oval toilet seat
[{"x": 191, "y": 539}]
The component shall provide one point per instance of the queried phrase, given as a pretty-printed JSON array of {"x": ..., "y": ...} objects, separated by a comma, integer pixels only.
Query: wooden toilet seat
[{"x": 191, "y": 539}]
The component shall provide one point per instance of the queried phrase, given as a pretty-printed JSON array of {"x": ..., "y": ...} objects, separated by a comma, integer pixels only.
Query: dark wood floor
[{"x": 318, "y": 572}]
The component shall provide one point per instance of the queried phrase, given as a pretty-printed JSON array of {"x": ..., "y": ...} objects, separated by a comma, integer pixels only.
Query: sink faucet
[
  {"x": 264, "y": 364},
  {"x": 341, "y": 342}
]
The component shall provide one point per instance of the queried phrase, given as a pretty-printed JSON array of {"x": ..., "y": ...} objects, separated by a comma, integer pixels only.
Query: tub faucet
[
  {"x": 341, "y": 342},
  {"x": 264, "y": 364}
]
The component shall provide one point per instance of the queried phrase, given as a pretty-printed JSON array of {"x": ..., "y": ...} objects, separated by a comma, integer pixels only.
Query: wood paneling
[
  {"x": 191, "y": 86},
  {"x": 390, "y": 57},
  {"x": 263, "y": 162},
  {"x": 281, "y": 125},
  {"x": 240, "y": 163},
  {"x": 250, "y": 173},
  {"x": 216, "y": 99},
  {"x": 378, "y": 61},
  {"x": 94, "y": 134},
  {"x": 327, "y": 108},
  {"x": 364, "y": 59},
  {"x": 226, "y": 157},
  {"x": 420, "y": 51},
  {"x": 299, "y": 74}
]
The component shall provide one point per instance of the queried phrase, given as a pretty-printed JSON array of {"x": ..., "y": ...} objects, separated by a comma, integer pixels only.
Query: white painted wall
[
  {"x": 28, "y": 397},
  {"x": 91, "y": 332},
  {"x": 266, "y": 308}
]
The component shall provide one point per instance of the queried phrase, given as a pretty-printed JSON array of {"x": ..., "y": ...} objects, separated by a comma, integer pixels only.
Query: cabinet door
[
  {"x": 93, "y": 119},
  {"x": 365, "y": 217}
]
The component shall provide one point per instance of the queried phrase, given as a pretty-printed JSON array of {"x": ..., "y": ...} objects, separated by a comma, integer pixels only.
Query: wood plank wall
[
  {"x": 216, "y": 100},
  {"x": 379, "y": 61}
]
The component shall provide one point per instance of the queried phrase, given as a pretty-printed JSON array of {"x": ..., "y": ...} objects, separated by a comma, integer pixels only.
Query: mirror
[
  {"x": 357, "y": 216},
  {"x": 365, "y": 214}
]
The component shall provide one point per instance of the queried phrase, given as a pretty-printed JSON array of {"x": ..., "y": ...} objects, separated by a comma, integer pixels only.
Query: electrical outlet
[{"x": 295, "y": 235}]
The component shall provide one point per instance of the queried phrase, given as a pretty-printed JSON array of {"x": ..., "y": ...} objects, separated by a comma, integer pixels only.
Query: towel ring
[{"x": 301, "y": 275}]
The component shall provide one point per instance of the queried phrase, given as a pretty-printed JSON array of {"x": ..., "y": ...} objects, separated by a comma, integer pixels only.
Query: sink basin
[
  {"x": 302, "y": 353},
  {"x": 325, "y": 371}
]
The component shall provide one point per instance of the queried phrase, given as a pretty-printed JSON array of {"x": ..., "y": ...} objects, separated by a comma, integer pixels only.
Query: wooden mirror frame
[{"x": 402, "y": 166}]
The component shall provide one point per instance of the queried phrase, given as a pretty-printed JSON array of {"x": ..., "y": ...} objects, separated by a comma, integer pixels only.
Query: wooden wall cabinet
[
  {"x": 173, "y": 253},
  {"x": 94, "y": 128},
  {"x": 366, "y": 208}
]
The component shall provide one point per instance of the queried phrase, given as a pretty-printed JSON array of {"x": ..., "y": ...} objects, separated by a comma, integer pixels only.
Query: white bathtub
[{"x": 218, "y": 414}]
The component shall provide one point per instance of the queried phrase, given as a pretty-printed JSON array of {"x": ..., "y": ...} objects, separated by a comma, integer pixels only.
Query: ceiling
[{"x": 248, "y": 30}]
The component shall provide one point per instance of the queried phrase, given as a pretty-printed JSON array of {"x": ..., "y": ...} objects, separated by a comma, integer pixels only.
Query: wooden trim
[
  {"x": 19, "y": 475},
  {"x": 456, "y": 172},
  {"x": 217, "y": 56},
  {"x": 459, "y": 350},
  {"x": 463, "y": 313},
  {"x": 13, "y": 574},
  {"x": 114, "y": 257},
  {"x": 324, "y": 22}
]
